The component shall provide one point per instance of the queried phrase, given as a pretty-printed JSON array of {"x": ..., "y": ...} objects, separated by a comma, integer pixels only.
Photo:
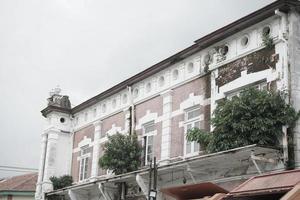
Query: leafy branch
[
  {"x": 122, "y": 154},
  {"x": 254, "y": 117}
]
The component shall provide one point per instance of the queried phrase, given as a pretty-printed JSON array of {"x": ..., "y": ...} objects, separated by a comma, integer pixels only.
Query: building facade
[{"x": 162, "y": 102}]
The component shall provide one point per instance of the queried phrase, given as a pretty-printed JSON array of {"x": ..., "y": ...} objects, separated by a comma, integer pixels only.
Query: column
[
  {"x": 38, "y": 193},
  {"x": 50, "y": 162},
  {"x": 96, "y": 149},
  {"x": 166, "y": 126}
]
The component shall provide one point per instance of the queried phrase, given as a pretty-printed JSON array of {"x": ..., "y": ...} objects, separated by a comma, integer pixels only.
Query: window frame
[
  {"x": 263, "y": 85},
  {"x": 146, "y": 136},
  {"x": 83, "y": 162},
  {"x": 195, "y": 147}
]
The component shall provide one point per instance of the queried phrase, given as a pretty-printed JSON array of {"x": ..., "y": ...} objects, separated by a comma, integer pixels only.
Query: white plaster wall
[
  {"x": 64, "y": 154},
  {"x": 294, "y": 63}
]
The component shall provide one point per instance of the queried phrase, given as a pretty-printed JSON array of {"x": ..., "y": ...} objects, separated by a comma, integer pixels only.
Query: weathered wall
[
  {"x": 254, "y": 62},
  {"x": 294, "y": 67}
]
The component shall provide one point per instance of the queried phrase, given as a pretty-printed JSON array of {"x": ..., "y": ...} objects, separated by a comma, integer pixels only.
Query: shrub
[{"x": 61, "y": 182}]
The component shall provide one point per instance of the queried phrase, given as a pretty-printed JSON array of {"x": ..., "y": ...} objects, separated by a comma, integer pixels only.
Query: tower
[{"x": 56, "y": 144}]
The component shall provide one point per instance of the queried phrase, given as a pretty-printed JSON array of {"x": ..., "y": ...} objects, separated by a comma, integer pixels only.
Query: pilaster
[
  {"x": 96, "y": 149},
  {"x": 166, "y": 126},
  {"x": 50, "y": 160}
]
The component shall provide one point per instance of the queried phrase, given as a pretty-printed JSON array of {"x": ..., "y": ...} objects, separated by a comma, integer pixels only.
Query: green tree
[
  {"x": 122, "y": 154},
  {"x": 254, "y": 117}
]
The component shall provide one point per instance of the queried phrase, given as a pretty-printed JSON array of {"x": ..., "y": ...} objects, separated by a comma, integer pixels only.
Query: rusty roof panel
[
  {"x": 194, "y": 191},
  {"x": 26, "y": 182},
  {"x": 276, "y": 182}
]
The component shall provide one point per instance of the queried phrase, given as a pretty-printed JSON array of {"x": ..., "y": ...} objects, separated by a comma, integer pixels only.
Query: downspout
[
  {"x": 283, "y": 35},
  {"x": 132, "y": 111}
]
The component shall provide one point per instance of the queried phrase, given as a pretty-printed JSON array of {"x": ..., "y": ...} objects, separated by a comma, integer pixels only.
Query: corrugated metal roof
[
  {"x": 25, "y": 182},
  {"x": 281, "y": 182},
  {"x": 194, "y": 191}
]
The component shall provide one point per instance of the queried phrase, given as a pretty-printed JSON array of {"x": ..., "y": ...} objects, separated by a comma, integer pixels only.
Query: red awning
[
  {"x": 276, "y": 183},
  {"x": 194, "y": 191}
]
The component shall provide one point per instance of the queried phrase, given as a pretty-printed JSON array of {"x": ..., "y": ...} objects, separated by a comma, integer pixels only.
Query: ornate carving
[{"x": 61, "y": 101}]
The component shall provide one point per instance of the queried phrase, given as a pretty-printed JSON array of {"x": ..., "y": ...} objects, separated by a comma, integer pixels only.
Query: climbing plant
[
  {"x": 253, "y": 117},
  {"x": 267, "y": 40},
  {"x": 122, "y": 154}
]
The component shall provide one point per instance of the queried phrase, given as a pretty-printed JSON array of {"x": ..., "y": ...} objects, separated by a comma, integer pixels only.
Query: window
[
  {"x": 207, "y": 60},
  {"x": 245, "y": 41},
  {"x": 95, "y": 112},
  {"x": 76, "y": 120},
  {"x": 161, "y": 81},
  {"x": 260, "y": 86},
  {"x": 190, "y": 67},
  {"x": 84, "y": 160},
  {"x": 266, "y": 31},
  {"x": 175, "y": 74},
  {"x": 224, "y": 50},
  {"x": 104, "y": 108},
  {"x": 114, "y": 103},
  {"x": 86, "y": 116},
  {"x": 149, "y": 131},
  {"x": 136, "y": 93},
  {"x": 192, "y": 120},
  {"x": 124, "y": 98},
  {"x": 148, "y": 87}
]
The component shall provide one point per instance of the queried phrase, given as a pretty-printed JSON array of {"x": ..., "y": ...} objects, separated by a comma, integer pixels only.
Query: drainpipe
[{"x": 132, "y": 111}]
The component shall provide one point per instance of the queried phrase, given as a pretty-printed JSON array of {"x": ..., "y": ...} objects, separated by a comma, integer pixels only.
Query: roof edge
[
  {"x": 51, "y": 108},
  {"x": 206, "y": 41}
]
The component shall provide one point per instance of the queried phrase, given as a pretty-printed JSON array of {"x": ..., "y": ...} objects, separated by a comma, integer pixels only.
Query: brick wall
[
  {"x": 117, "y": 119},
  {"x": 79, "y": 135}
]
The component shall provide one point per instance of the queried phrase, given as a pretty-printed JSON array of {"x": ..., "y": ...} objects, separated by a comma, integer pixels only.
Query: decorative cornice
[
  {"x": 200, "y": 44},
  {"x": 51, "y": 108}
]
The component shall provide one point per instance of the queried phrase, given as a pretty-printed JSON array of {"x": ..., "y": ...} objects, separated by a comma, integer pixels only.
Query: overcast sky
[{"x": 85, "y": 47}]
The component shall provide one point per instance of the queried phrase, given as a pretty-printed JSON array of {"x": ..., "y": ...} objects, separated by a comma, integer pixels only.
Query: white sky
[{"x": 87, "y": 46}]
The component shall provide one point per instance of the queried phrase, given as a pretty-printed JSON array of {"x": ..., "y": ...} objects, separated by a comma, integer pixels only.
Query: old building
[
  {"x": 162, "y": 102},
  {"x": 18, "y": 187}
]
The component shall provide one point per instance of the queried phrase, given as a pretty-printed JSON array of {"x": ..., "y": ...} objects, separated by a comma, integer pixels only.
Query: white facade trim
[{"x": 84, "y": 142}]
